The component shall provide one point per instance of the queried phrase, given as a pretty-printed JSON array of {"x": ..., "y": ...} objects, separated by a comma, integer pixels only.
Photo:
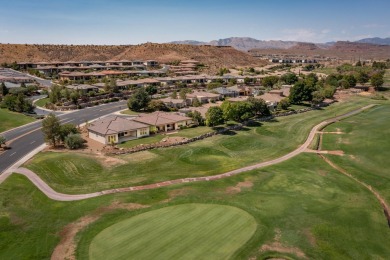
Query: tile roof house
[
  {"x": 163, "y": 122},
  {"x": 116, "y": 129},
  {"x": 174, "y": 102},
  {"x": 203, "y": 97}
]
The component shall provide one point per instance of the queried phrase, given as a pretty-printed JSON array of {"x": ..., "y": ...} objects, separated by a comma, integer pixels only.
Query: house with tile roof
[
  {"x": 163, "y": 121},
  {"x": 116, "y": 129}
]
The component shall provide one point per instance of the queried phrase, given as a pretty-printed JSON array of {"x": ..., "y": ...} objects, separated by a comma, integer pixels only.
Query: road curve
[{"x": 52, "y": 194}]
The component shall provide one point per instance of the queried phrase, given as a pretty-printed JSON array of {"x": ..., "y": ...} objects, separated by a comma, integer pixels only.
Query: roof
[
  {"x": 80, "y": 86},
  {"x": 160, "y": 118},
  {"x": 224, "y": 91},
  {"x": 172, "y": 100},
  {"x": 114, "y": 124},
  {"x": 198, "y": 94},
  {"x": 271, "y": 97}
]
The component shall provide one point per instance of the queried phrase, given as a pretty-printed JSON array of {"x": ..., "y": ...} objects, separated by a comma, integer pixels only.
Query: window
[{"x": 143, "y": 131}]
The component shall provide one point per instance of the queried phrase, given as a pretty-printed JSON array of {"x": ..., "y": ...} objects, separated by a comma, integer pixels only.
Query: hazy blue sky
[{"x": 132, "y": 22}]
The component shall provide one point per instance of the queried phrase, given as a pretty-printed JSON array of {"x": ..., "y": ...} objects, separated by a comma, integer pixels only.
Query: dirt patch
[
  {"x": 176, "y": 193},
  {"x": 172, "y": 140},
  {"x": 365, "y": 93},
  {"x": 336, "y": 152},
  {"x": 310, "y": 237},
  {"x": 67, "y": 246},
  {"x": 237, "y": 188},
  {"x": 110, "y": 161},
  {"x": 322, "y": 172},
  {"x": 277, "y": 246}
]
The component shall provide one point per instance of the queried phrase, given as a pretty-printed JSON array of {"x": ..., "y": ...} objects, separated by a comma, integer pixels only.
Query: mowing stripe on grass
[{"x": 187, "y": 231}]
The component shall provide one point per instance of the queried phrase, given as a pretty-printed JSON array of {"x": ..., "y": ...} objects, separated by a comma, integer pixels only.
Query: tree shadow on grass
[{"x": 229, "y": 132}]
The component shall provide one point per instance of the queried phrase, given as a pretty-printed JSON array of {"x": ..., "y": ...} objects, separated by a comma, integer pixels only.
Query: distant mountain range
[
  {"x": 247, "y": 43},
  {"x": 376, "y": 40}
]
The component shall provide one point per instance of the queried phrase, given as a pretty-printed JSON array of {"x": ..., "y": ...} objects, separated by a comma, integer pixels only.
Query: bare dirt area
[
  {"x": 67, "y": 246},
  {"x": 237, "y": 188},
  {"x": 277, "y": 246}
]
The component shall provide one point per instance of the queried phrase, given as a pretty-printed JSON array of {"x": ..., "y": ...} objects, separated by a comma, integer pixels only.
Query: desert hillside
[
  {"x": 212, "y": 56},
  {"x": 341, "y": 50}
]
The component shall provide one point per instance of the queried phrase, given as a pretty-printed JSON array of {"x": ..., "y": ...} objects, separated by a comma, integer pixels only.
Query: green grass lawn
[
  {"x": 42, "y": 102},
  {"x": 78, "y": 173},
  {"x": 387, "y": 78},
  {"x": 188, "y": 133},
  {"x": 146, "y": 140},
  {"x": 186, "y": 231},
  {"x": 365, "y": 141},
  {"x": 11, "y": 119},
  {"x": 326, "y": 70},
  {"x": 303, "y": 204},
  {"x": 129, "y": 112}
]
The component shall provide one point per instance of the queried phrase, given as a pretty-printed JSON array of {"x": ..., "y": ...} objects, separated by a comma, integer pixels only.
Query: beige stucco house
[{"x": 116, "y": 129}]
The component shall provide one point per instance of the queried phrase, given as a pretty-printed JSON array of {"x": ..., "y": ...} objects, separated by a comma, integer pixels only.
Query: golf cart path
[{"x": 52, "y": 194}]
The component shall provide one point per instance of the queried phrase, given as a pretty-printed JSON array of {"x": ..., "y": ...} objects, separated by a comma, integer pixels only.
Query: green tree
[
  {"x": 329, "y": 91},
  {"x": 55, "y": 93},
  {"x": 237, "y": 111},
  {"x": 196, "y": 102},
  {"x": 151, "y": 90},
  {"x": 214, "y": 116},
  {"x": 174, "y": 94},
  {"x": 157, "y": 105},
  {"x": 213, "y": 85},
  {"x": 73, "y": 141},
  {"x": 284, "y": 104},
  {"x": 3, "y": 89},
  {"x": 318, "y": 97},
  {"x": 67, "y": 129},
  {"x": 139, "y": 100},
  {"x": 113, "y": 86},
  {"x": 183, "y": 94},
  {"x": 362, "y": 77},
  {"x": 259, "y": 106},
  {"x": 51, "y": 129},
  {"x": 2, "y": 140},
  {"x": 289, "y": 78},
  {"x": 377, "y": 80},
  {"x": 196, "y": 117},
  {"x": 269, "y": 81},
  {"x": 74, "y": 96},
  {"x": 298, "y": 93},
  {"x": 351, "y": 80},
  {"x": 65, "y": 93}
]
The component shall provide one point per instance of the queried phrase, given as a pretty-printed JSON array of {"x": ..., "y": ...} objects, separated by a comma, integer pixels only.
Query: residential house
[
  {"x": 84, "y": 88},
  {"x": 163, "y": 121},
  {"x": 151, "y": 63},
  {"x": 174, "y": 102},
  {"x": 225, "y": 92},
  {"x": 203, "y": 97},
  {"x": 116, "y": 129}
]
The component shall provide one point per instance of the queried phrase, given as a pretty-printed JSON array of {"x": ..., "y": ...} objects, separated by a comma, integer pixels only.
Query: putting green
[{"x": 187, "y": 231}]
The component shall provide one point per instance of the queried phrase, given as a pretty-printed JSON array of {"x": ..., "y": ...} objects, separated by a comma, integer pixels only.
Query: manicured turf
[
  {"x": 42, "y": 102},
  {"x": 365, "y": 141},
  {"x": 70, "y": 172},
  {"x": 303, "y": 204},
  {"x": 11, "y": 119},
  {"x": 188, "y": 133},
  {"x": 188, "y": 231},
  {"x": 129, "y": 112}
]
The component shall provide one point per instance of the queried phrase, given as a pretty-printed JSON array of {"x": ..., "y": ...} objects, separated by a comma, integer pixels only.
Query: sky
[{"x": 135, "y": 22}]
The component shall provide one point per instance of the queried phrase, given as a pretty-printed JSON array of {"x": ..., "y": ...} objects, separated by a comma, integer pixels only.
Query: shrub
[{"x": 73, "y": 141}]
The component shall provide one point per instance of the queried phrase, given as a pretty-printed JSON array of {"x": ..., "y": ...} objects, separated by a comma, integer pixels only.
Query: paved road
[
  {"x": 25, "y": 139},
  {"x": 48, "y": 191}
]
